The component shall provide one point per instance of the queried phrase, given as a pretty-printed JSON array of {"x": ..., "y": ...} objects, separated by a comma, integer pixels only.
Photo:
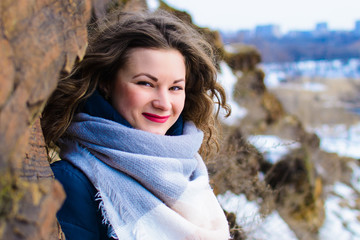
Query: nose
[{"x": 162, "y": 100}]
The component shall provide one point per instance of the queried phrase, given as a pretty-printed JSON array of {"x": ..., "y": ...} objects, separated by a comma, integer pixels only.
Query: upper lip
[{"x": 156, "y": 116}]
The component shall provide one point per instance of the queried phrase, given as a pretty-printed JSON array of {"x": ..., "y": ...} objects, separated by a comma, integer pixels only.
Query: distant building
[
  {"x": 321, "y": 28},
  {"x": 357, "y": 27},
  {"x": 299, "y": 34},
  {"x": 270, "y": 30}
]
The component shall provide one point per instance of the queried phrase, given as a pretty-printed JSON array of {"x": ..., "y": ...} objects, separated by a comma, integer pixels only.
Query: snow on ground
[
  {"x": 274, "y": 80},
  {"x": 330, "y": 69},
  {"x": 341, "y": 220},
  {"x": 152, "y": 4},
  {"x": 255, "y": 226},
  {"x": 277, "y": 79},
  {"x": 227, "y": 80},
  {"x": 340, "y": 139},
  {"x": 272, "y": 147},
  {"x": 281, "y": 75},
  {"x": 355, "y": 179}
]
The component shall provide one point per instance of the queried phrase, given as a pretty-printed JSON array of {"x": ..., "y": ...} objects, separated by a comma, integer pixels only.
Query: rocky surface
[{"x": 38, "y": 40}]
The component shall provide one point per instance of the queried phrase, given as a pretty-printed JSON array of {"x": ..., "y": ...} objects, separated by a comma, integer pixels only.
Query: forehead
[
  {"x": 155, "y": 60},
  {"x": 154, "y": 53}
]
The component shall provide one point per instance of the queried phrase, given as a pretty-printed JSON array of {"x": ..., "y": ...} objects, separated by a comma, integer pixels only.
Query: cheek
[
  {"x": 127, "y": 99},
  {"x": 180, "y": 104},
  {"x": 133, "y": 99}
]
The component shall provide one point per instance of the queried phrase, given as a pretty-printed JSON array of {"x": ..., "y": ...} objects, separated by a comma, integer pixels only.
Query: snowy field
[
  {"x": 273, "y": 148},
  {"x": 256, "y": 228},
  {"x": 321, "y": 68},
  {"x": 339, "y": 139}
]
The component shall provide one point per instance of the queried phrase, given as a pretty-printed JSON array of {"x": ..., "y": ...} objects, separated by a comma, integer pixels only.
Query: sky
[{"x": 232, "y": 15}]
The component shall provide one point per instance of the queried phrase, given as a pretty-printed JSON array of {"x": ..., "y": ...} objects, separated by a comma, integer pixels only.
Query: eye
[
  {"x": 145, "y": 83},
  {"x": 176, "y": 88}
]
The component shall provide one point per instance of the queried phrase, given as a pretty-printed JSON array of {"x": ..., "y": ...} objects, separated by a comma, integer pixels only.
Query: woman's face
[{"x": 149, "y": 89}]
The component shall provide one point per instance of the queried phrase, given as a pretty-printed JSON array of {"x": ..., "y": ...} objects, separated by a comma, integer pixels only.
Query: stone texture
[
  {"x": 38, "y": 40},
  {"x": 35, "y": 165},
  {"x": 43, "y": 37},
  {"x": 6, "y": 73}
]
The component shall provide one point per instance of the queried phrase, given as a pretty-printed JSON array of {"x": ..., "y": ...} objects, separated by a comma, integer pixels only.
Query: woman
[{"x": 130, "y": 122}]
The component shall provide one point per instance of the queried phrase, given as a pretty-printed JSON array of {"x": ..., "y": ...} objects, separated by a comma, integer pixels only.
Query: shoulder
[
  {"x": 79, "y": 215},
  {"x": 72, "y": 178}
]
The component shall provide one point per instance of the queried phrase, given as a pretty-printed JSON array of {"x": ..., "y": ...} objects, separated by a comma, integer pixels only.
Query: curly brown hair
[{"x": 108, "y": 51}]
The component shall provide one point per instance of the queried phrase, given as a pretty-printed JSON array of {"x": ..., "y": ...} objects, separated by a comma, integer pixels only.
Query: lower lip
[{"x": 156, "y": 119}]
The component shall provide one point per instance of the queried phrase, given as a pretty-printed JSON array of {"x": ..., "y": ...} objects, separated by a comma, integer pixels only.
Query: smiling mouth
[{"x": 156, "y": 118}]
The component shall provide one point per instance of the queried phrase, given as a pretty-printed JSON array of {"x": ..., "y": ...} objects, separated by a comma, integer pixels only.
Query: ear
[{"x": 104, "y": 89}]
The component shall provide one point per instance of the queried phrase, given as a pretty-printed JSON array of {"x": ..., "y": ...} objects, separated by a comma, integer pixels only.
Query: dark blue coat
[{"x": 79, "y": 216}]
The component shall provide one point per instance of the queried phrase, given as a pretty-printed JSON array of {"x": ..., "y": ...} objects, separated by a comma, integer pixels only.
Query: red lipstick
[{"x": 156, "y": 118}]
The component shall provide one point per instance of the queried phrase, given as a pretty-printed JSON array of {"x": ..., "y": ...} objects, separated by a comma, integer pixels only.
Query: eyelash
[
  {"x": 178, "y": 88},
  {"x": 144, "y": 83}
]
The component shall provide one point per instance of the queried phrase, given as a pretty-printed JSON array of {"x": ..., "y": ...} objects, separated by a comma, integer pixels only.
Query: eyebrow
[
  {"x": 147, "y": 75},
  {"x": 180, "y": 80},
  {"x": 154, "y": 78}
]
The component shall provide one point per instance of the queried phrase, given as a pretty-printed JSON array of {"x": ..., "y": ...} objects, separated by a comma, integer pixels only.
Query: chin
[
  {"x": 155, "y": 131},
  {"x": 158, "y": 132}
]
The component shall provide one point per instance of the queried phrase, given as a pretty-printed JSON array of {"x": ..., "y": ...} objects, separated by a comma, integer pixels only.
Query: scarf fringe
[{"x": 111, "y": 232}]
